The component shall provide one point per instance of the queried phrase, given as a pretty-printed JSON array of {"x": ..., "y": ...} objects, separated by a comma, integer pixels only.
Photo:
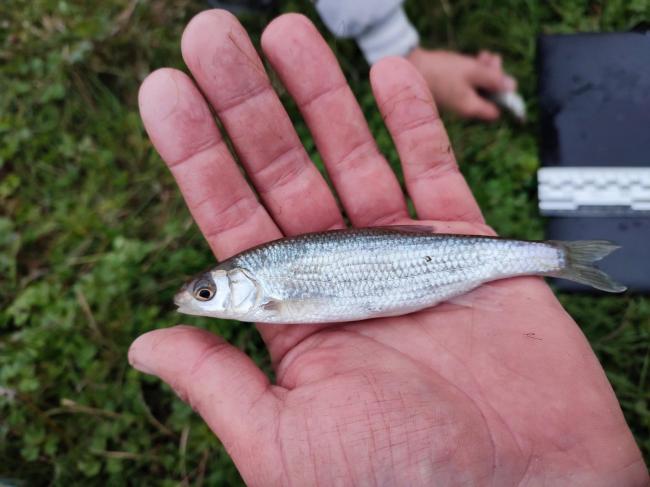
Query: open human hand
[
  {"x": 449, "y": 395},
  {"x": 455, "y": 80}
]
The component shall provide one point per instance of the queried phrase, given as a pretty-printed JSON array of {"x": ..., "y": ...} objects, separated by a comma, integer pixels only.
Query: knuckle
[{"x": 232, "y": 215}]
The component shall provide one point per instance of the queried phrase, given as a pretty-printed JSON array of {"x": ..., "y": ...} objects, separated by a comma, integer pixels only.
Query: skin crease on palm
[{"x": 511, "y": 395}]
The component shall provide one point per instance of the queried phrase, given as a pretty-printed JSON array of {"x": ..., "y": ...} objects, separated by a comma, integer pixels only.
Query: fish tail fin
[{"x": 581, "y": 257}]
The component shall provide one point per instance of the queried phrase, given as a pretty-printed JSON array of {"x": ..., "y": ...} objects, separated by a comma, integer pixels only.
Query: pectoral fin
[{"x": 293, "y": 310}]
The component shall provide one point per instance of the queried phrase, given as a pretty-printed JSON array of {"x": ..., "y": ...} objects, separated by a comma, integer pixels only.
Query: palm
[
  {"x": 450, "y": 393},
  {"x": 444, "y": 394}
]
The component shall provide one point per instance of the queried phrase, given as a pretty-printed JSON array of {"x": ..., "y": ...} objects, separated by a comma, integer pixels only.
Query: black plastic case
[{"x": 594, "y": 95}]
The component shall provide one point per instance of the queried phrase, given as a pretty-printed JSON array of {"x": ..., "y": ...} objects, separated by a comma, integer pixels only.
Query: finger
[
  {"x": 226, "y": 66},
  {"x": 491, "y": 59},
  {"x": 475, "y": 106},
  {"x": 363, "y": 179},
  {"x": 185, "y": 135},
  {"x": 219, "y": 381},
  {"x": 491, "y": 78},
  {"x": 494, "y": 62},
  {"x": 437, "y": 187},
  {"x": 223, "y": 61}
]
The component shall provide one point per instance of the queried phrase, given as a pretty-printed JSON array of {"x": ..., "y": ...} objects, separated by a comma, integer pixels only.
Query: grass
[{"x": 94, "y": 237}]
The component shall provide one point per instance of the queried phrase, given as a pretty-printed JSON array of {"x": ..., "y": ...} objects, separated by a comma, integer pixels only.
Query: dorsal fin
[{"x": 407, "y": 228}]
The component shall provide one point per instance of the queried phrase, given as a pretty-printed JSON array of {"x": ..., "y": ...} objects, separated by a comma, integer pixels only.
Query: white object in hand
[{"x": 511, "y": 101}]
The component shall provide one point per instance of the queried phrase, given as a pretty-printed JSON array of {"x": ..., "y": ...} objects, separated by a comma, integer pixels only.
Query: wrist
[{"x": 392, "y": 36}]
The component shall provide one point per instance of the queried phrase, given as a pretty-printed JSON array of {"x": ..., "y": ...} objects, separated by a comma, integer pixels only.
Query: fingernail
[
  {"x": 509, "y": 83},
  {"x": 136, "y": 363},
  {"x": 158, "y": 95}
]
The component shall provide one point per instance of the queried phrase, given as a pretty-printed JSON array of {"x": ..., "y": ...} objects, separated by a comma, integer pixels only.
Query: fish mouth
[
  {"x": 182, "y": 299},
  {"x": 185, "y": 302}
]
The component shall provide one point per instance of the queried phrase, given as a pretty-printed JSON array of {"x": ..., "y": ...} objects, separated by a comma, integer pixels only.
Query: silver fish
[{"x": 356, "y": 274}]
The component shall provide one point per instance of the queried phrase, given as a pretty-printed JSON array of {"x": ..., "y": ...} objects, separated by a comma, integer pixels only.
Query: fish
[{"x": 362, "y": 273}]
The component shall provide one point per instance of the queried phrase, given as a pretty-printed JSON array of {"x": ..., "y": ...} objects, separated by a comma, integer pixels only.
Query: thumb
[{"x": 219, "y": 381}]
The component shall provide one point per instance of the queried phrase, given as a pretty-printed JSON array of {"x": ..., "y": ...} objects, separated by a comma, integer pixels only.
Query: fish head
[{"x": 219, "y": 293}]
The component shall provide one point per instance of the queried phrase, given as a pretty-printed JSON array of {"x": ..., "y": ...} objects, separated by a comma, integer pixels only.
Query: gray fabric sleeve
[{"x": 380, "y": 27}]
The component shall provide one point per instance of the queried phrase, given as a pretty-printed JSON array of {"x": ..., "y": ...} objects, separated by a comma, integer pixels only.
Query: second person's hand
[{"x": 456, "y": 80}]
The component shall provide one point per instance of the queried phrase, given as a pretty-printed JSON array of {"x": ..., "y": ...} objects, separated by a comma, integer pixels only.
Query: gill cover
[{"x": 235, "y": 294}]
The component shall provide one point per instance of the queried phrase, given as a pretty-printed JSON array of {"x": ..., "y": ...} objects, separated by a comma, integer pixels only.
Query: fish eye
[
  {"x": 204, "y": 294},
  {"x": 204, "y": 290}
]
